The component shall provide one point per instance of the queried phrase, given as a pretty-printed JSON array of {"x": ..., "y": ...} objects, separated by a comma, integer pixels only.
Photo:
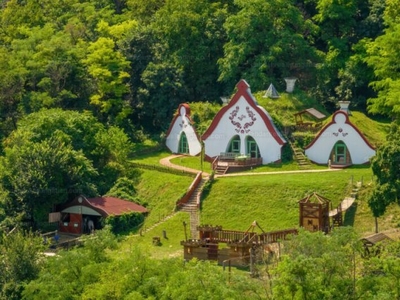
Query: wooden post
[{"x": 184, "y": 225}]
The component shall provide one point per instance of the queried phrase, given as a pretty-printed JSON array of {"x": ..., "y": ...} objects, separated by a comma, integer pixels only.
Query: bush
[{"x": 124, "y": 223}]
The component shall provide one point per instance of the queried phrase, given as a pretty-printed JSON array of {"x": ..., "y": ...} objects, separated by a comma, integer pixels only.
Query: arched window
[
  {"x": 234, "y": 145},
  {"x": 183, "y": 144},
  {"x": 252, "y": 148}
]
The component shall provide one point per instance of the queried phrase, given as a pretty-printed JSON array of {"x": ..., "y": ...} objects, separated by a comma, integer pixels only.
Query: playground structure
[
  {"x": 314, "y": 213},
  {"x": 243, "y": 247}
]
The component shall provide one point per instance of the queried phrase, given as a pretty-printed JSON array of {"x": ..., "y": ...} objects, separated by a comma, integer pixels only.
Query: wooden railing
[
  {"x": 232, "y": 236},
  {"x": 235, "y": 162},
  {"x": 215, "y": 163},
  {"x": 190, "y": 190}
]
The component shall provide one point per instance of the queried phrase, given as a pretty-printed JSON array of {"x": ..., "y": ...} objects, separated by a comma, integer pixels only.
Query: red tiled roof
[{"x": 115, "y": 206}]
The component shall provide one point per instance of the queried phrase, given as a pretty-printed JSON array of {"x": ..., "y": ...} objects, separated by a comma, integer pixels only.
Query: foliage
[
  {"x": 124, "y": 223},
  {"x": 383, "y": 57},
  {"x": 55, "y": 155},
  {"x": 386, "y": 168},
  {"x": 267, "y": 40},
  {"x": 315, "y": 266},
  {"x": 20, "y": 262}
]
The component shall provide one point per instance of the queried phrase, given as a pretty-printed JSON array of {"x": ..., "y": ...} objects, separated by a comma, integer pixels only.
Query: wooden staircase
[
  {"x": 301, "y": 159},
  {"x": 192, "y": 208},
  {"x": 221, "y": 170}
]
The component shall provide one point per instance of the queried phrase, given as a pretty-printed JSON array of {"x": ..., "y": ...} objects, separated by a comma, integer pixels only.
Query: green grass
[
  {"x": 152, "y": 158},
  {"x": 272, "y": 200},
  {"x": 280, "y": 167},
  {"x": 373, "y": 130},
  {"x": 170, "y": 247},
  {"x": 192, "y": 162},
  {"x": 161, "y": 191}
]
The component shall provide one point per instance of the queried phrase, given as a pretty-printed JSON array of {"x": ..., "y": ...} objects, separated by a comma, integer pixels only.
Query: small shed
[
  {"x": 82, "y": 215},
  {"x": 314, "y": 213}
]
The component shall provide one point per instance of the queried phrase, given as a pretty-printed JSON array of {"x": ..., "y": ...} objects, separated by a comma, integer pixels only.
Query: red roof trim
[
  {"x": 187, "y": 115},
  {"x": 243, "y": 90},
  {"x": 177, "y": 114},
  {"x": 333, "y": 122}
]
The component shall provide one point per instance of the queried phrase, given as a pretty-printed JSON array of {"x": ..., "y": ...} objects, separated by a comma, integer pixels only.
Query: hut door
[
  {"x": 183, "y": 144},
  {"x": 340, "y": 153},
  {"x": 252, "y": 148}
]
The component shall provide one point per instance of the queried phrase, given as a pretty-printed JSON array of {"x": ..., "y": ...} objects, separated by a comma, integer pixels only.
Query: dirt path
[{"x": 166, "y": 162}]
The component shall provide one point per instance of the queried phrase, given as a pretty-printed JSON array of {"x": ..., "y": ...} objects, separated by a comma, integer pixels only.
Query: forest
[{"x": 84, "y": 83}]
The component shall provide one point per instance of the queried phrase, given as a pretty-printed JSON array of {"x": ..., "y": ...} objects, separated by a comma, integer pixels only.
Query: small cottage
[
  {"x": 83, "y": 215},
  {"x": 340, "y": 143},
  {"x": 245, "y": 129},
  {"x": 181, "y": 135}
]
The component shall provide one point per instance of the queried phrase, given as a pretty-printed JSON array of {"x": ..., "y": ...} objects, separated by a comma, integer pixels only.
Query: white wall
[
  {"x": 218, "y": 141},
  {"x": 182, "y": 124},
  {"x": 360, "y": 151}
]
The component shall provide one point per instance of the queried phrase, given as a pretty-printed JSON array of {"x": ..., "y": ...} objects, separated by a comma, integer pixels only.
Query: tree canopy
[{"x": 55, "y": 155}]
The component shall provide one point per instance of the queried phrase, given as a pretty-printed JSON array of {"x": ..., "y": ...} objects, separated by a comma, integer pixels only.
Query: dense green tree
[
  {"x": 55, "y": 155},
  {"x": 383, "y": 57},
  {"x": 386, "y": 168},
  {"x": 317, "y": 266},
  {"x": 41, "y": 174},
  {"x": 187, "y": 42},
  {"x": 268, "y": 40},
  {"x": 20, "y": 262}
]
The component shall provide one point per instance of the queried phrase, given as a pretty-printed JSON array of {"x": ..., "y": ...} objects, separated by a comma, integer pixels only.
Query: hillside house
[
  {"x": 243, "y": 129},
  {"x": 340, "y": 143},
  {"x": 181, "y": 135}
]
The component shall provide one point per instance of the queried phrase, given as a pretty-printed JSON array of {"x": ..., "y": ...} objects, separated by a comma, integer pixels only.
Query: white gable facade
[
  {"x": 244, "y": 128},
  {"x": 340, "y": 143},
  {"x": 181, "y": 135}
]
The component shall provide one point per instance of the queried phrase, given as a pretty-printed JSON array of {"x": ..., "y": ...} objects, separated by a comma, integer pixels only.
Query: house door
[
  {"x": 340, "y": 153},
  {"x": 183, "y": 144},
  {"x": 252, "y": 148}
]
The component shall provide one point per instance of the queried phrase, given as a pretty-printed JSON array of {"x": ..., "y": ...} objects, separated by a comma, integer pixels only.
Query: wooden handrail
[{"x": 190, "y": 190}]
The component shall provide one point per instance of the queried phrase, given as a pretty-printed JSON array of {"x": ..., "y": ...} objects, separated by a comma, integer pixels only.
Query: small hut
[{"x": 314, "y": 213}]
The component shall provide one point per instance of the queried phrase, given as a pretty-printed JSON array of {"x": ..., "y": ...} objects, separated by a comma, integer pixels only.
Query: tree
[
  {"x": 42, "y": 174},
  {"x": 20, "y": 262},
  {"x": 109, "y": 71},
  {"x": 55, "y": 155},
  {"x": 318, "y": 266},
  {"x": 383, "y": 57},
  {"x": 386, "y": 168}
]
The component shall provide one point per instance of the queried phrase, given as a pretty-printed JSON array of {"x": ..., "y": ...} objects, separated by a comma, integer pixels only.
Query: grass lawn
[
  {"x": 272, "y": 200},
  {"x": 169, "y": 247},
  {"x": 161, "y": 190},
  {"x": 152, "y": 158},
  {"x": 192, "y": 162}
]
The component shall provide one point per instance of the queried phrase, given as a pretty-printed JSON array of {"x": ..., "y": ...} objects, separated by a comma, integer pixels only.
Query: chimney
[
  {"x": 344, "y": 106},
  {"x": 290, "y": 81}
]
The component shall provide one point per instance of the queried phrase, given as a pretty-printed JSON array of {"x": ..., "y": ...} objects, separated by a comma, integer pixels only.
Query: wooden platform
[{"x": 343, "y": 206}]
